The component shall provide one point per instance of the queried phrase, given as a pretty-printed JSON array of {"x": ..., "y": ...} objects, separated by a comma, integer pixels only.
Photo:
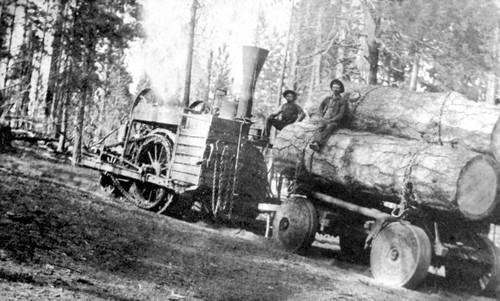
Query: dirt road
[{"x": 61, "y": 238}]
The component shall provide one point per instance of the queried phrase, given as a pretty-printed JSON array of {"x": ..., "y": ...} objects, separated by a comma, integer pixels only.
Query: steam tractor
[{"x": 168, "y": 160}]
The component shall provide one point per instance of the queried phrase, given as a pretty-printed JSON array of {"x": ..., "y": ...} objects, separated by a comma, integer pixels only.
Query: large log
[
  {"x": 377, "y": 165},
  {"x": 478, "y": 192},
  {"x": 441, "y": 118}
]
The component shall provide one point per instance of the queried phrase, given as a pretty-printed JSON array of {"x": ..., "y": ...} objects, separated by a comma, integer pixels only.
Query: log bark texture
[
  {"x": 448, "y": 119},
  {"x": 377, "y": 165}
]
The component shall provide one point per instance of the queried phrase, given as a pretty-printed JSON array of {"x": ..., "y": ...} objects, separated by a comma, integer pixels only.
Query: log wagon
[
  {"x": 411, "y": 192},
  {"x": 410, "y": 204}
]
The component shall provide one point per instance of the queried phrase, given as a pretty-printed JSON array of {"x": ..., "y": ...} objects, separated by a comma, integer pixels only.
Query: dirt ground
[{"x": 61, "y": 238}]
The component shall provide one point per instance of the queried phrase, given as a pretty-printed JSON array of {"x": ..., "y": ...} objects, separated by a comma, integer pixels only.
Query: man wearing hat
[
  {"x": 290, "y": 112},
  {"x": 332, "y": 111}
]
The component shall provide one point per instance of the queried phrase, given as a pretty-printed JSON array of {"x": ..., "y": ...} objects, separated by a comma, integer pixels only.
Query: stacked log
[
  {"x": 437, "y": 145},
  {"x": 448, "y": 119}
]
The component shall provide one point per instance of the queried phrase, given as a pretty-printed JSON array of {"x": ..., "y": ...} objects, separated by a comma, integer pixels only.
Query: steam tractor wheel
[
  {"x": 295, "y": 224},
  {"x": 154, "y": 155},
  {"x": 400, "y": 255}
]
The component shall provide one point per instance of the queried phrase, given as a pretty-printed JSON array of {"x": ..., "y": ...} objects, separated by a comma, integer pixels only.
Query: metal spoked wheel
[
  {"x": 154, "y": 155},
  {"x": 295, "y": 225},
  {"x": 400, "y": 255}
]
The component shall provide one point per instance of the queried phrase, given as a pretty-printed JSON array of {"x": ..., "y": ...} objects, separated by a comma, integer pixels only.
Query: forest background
[{"x": 69, "y": 69}]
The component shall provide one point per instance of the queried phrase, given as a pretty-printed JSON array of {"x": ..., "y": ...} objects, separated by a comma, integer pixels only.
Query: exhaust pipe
[{"x": 253, "y": 60}]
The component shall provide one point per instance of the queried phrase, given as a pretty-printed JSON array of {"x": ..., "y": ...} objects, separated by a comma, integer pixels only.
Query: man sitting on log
[
  {"x": 290, "y": 112},
  {"x": 332, "y": 111}
]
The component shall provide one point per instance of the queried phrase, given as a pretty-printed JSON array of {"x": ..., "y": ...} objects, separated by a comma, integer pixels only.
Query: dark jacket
[{"x": 334, "y": 109}]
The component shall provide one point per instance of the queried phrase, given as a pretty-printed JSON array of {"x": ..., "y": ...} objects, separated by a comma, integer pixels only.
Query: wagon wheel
[
  {"x": 154, "y": 155},
  {"x": 400, "y": 255},
  {"x": 488, "y": 255},
  {"x": 295, "y": 225},
  {"x": 481, "y": 273}
]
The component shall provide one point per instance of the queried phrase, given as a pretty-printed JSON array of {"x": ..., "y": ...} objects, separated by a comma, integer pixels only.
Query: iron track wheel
[
  {"x": 400, "y": 255},
  {"x": 154, "y": 155},
  {"x": 295, "y": 225}
]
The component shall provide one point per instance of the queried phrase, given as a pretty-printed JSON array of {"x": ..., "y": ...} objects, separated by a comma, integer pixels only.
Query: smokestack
[{"x": 253, "y": 60}]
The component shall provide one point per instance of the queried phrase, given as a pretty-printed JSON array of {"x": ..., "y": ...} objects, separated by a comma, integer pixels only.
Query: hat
[
  {"x": 336, "y": 81},
  {"x": 288, "y": 92}
]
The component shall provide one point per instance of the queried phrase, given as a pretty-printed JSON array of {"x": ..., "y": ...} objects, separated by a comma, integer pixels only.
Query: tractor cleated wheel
[
  {"x": 295, "y": 225},
  {"x": 154, "y": 155},
  {"x": 400, "y": 255}
]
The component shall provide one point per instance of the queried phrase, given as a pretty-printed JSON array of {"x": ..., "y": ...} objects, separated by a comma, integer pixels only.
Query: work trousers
[
  {"x": 273, "y": 121},
  {"x": 323, "y": 132}
]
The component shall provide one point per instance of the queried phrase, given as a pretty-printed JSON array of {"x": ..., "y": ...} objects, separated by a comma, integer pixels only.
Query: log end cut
[{"x": 478, "y": 193}]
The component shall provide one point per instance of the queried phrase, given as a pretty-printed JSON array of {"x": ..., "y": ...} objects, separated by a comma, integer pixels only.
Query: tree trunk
[
  {"x": 294, "y": 65},
  {"x": 78, "y": 140},
  {"x": 101, "y": 115},
  {"x": 37, "y": 79},
  {"x": 441, "y": 118},
  {"x": 414, "y": 73},
  {"x": 372, "y": 25},
  {"x": 9, "y": 47},
  {"x": 28, "y": 73},
  {"x": 56, "y": 58},
  {"x": 383, "y": 168},
  {"x": 189, "y": 63},
  {"x": 284, "y": 59},
  {"x": 61, "y": 94},
  {"x": 64, "y": 125},
  {"x": 491, "y": 88},
  {"x": 209, "y": 77},
  {"x": 342, "y": 51},
  {"x": 315, "y": 67},
  {"x": 88, "y": 66}
]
